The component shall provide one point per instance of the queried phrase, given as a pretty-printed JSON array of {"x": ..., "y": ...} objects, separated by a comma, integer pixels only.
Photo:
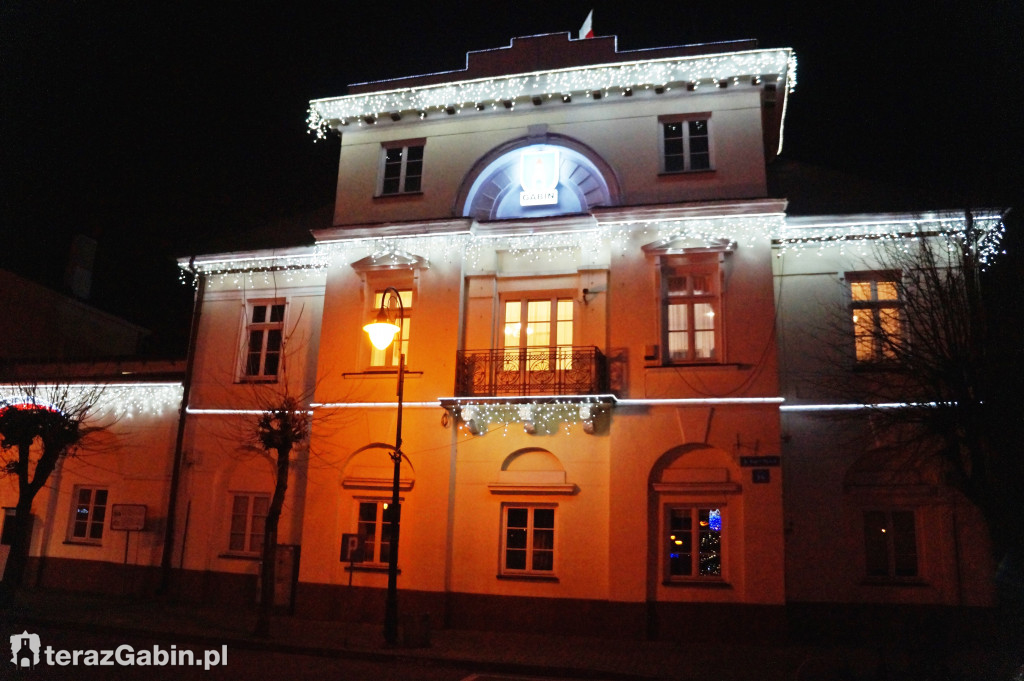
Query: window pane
[
  {"x": 415, "y": 153},
  {"x": 698, "y": 127},
  {"x": 412, "y": 183},
  {"x": 259, "y": 314},
  {"x": 674, "y": 164},
  {"x": 700, "y": 162},
  {"x": 876, "y": 544},
  {"x": 515, "y": 559},
  {"x": 277, "y": 313},
  {"x": 390, "y": 186},
  {"x": 860, "y": 290},
  {"x": 544, "y": 518},
  {"x": 887, "y": 290}
]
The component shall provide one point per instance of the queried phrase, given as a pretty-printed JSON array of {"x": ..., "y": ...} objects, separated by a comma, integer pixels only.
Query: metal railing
[{"x": 577, "y": 370}]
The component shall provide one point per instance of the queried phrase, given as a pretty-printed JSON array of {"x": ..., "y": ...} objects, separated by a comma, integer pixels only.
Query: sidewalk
[{"x": 476, "y": 651}]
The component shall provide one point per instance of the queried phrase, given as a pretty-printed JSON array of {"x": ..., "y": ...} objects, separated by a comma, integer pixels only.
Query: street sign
[
  {"x": 351, "y": 548},
  {"x": 128, "y": 517}
]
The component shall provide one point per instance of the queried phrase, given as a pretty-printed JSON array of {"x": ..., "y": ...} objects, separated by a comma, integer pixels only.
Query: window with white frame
[
  {"x": 538, "y": 324},
  {"x": 401, "y": 168},
  {"x": 248, "y": 519},
  {"x": 528, "y": 540},
  {"x": 875, "y": 311},
  {"x": 388, "y": 357},
  {"x": 264, "y": 340},
  {"x": 374, "y": 529},
  {"x": 88, "y": 515},
  {"x": 690, "y": 312},
  {"x": 693, "y": 543},
  {"x": 685, "y": 143},
  {"x": 890, "y": 544}
]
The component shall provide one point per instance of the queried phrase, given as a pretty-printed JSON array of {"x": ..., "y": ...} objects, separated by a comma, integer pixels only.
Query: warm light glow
[{"x": 381, "y": 333}]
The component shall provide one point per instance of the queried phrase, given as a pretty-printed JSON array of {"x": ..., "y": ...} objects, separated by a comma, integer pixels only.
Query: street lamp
[{"x": 382, "y": 334}]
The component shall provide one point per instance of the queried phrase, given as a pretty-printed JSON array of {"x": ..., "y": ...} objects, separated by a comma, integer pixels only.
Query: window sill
[
  {"x": 908, "y": 582},
  {"x": 83, "y": 542},
  {"x": 256, "y": 379},
  {"x": 677, "y": 173},
  {"x": 397, "y": 195},
  {"x": 528, "y": 577},
  {"x": 698, "y": 365},
  {"x": 240, "y": 556},
  {"x": 371, "y": 567},
  {"x": 379, "y": 373},
  {"x": 698, "y": 583}
]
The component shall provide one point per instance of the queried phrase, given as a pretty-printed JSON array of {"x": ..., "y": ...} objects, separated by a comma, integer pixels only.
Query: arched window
[{"x": 538, "y": 177}]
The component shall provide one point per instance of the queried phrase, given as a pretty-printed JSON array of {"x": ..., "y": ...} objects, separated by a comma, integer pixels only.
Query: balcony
[{"x": 518, "y": 372}]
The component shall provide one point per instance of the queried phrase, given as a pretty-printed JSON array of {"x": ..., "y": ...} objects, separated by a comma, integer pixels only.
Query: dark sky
[{"x": 163, "y": 129}]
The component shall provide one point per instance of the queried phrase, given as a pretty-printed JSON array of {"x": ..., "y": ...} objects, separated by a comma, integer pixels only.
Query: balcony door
[{"x": 537, "y": 334}]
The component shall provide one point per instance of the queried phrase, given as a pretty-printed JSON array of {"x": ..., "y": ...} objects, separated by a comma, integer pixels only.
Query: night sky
[{"x": 165, "y": 129}]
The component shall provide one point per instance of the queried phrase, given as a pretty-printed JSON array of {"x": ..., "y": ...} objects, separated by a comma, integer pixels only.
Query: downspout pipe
[{"x": 179, "y": 441}]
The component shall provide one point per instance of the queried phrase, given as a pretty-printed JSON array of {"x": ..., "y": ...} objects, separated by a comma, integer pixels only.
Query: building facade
[{"x": 613, "y": 416}]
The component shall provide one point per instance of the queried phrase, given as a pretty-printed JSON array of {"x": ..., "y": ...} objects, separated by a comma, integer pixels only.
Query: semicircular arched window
[{"x": 537, "y": 180}]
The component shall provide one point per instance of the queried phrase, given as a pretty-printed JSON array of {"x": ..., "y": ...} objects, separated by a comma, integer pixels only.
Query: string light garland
[
  {"x": 593, "y": 82},
  {"x": 864, "y": 235},
  {"x": 120, "y": 400},
  {"x": 472, "y": 248}
]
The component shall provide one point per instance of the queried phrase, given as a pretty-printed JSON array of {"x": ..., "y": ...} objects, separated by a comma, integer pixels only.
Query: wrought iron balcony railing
[{"x": 531, "y": 371}]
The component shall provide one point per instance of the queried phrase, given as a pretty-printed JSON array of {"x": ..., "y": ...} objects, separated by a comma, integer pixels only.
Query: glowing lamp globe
[{"x": 381, "y": 333}]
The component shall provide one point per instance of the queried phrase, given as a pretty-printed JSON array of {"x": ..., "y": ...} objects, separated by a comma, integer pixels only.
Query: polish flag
[{"x": 587, "y": 29}]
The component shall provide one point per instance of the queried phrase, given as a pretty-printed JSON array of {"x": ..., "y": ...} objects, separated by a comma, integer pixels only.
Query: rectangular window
[
  {"x": 528, "y": 540},
  {"x": 264, "y": 343},
  {"x": 690, "y": 302},
  {"x": 401, "y": 170},
  {"x": 685, "y": 144},
  {"x": 374, "y": 527},
  {"x": 890, "y": 544},
  {"x": 875, "y": 311},
  {"x": 88, "y": 515},
  {"x": 693, "y": 543},
  {"x": 388, "y": 357},
  {"x": 7, "y": 534},
  {"x": 543, "y": 328},
  {"x": 248, "y": 517}
]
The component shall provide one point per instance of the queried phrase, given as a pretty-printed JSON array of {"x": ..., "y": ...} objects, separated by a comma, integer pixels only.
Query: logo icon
[
  {"x": 538, "y": 175},
  {"x": 25, "y": 650}
]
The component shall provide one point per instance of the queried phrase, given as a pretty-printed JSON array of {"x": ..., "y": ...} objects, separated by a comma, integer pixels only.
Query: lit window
[
  {"x": 374, "y": 528},
  {"x": 264, "y": 340},
  {"x": 690, "y": 313},
  {"x": 542, "y": 328},
  {"x": 693, "y": 543},
  {"x": 248, "y": 518},
  {"x": 875, "y": 303},
  {"x": 890, "y": 544},
  {"x": 401, "y": 170},
  {"x": 388, "y": 357},
  {"x": 88, "y": 515},
  {"x": 528, "y": 540},
  {"x": 685, "y": 145}
]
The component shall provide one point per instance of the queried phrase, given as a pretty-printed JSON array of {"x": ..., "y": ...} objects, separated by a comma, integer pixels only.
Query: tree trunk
[{"x": 269, "y": 555}]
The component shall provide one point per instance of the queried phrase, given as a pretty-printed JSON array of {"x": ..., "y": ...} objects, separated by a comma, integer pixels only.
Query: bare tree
[
  {"x": 39, "y": 426},
  {"x": 945, "y": 373},
  {"x": 283, "y": 425}
]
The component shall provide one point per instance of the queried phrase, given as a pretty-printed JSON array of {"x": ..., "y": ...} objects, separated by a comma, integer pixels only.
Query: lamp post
[{"x": 382, "y": 334}]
